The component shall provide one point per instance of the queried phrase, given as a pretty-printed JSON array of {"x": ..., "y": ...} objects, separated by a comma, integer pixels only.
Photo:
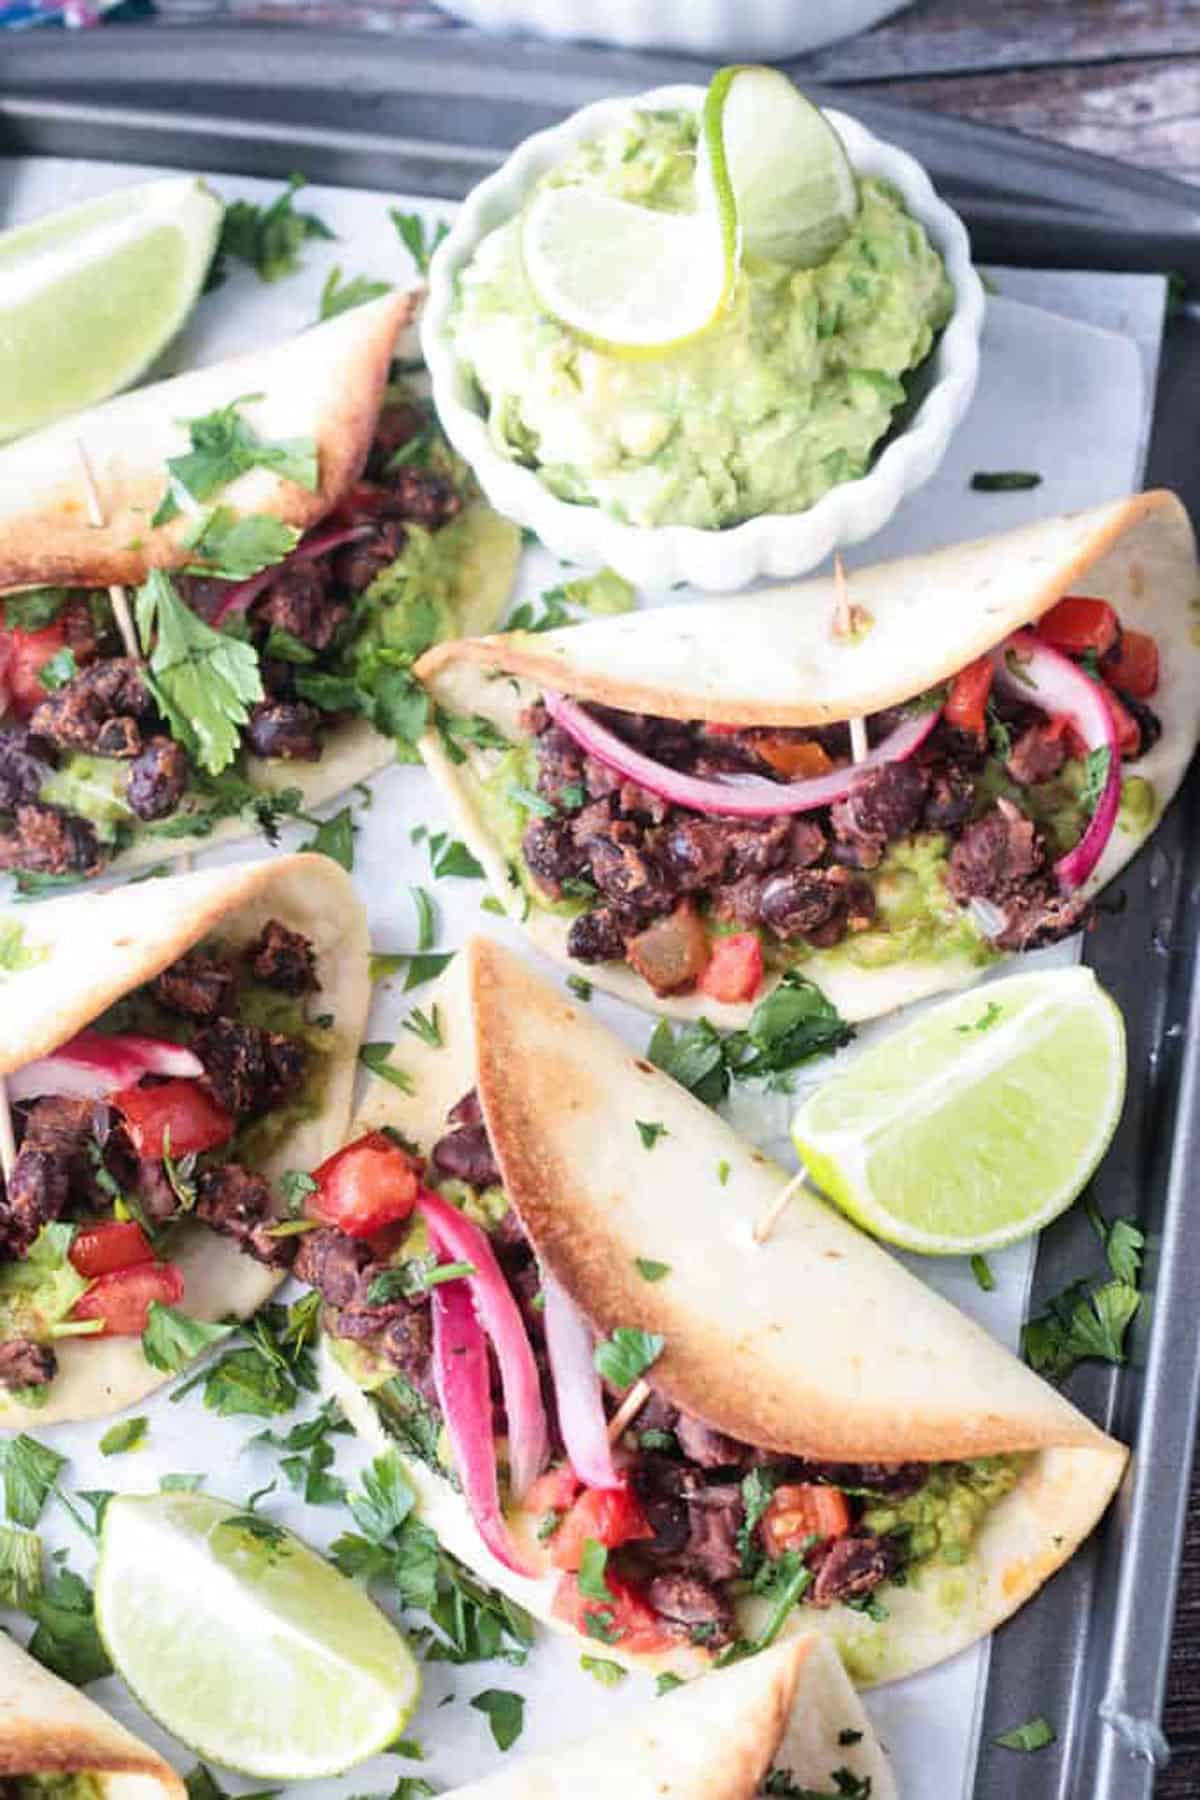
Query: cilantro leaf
[
  {"x": 426, "y": 968},
  {"x": 608, "y": 1674},
  {"x": 263, "y": 1377},
  {"x": 981, "y": 1270},
  {"x": 593, "y": 1561},
  {"x": 335, "y": 838},
  {"x": 694, "y": 1056},
  {"x": 1079, "y": 1324},
  {"x": 203, "y": 681},
  {"x": 1034, "y": 1734},
  {"x": 338, "y": 296},
  {"x": 416, "y": 236},
  {"x": 375, "y": 1057},
  {"x": 223, "y": 544},
  {"x": 453, "y": 858},
  {"x": 650, "y": 1130},
  {"x": 789, "y": 1027},
  {"x": 223, "y": 447},
  {"x": 1095, "y": 775},
  {"x": 58, "y": 669},
  {"x": 66, "y": 1640},
  {"x": 649, "y": 1270},
  {"x": 666, "y": 1683},
  {"x": 20, "y": 1567},
  {"x": 580, "y": 987},
  {"x": 627, "y": 1354},
  {"x": 267, "y": 238},
  {"x": 1004, "y": 481},
  {"x": 171, "y": 1339},
  {"x": 28, "y": 1473},
  {"x": 310, "y": 1457},
  {"x": 129, "y": 1434},
  {"x": 386, "y": 1498},
  {"x": 33, "y": 608},
  {"x": 505, "y": 1713},
  {"x": 425, "y": 1026}
]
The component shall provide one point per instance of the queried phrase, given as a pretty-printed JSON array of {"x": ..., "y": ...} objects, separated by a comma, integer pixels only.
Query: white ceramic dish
[
  {"x": 775, "y": 544},
  {"x": 725, "y": 28}
]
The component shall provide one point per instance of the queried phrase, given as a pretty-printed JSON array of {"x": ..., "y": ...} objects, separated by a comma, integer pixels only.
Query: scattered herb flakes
[
  {"x": 505, "y": 1713},
  {"x": 578, "y": 985},
  {"x": 1004, "y": 481},
  {"x": 781, "y": 1785},
  {"x": 28, "y": 1474},
  {"x": 129, "y": 1434},
  {"x": 171, "y": 1339},
  {"x": 65, "y": 1640},
  {"x": 426, "y": 968},
  {"x": 1123, "y": 1242},
  {"x": 375, "y": 1057},
  {"x": 267, "y": 238},
  {"x": 593, "y": 1561},
  {"x": 426, "y": 917},
  {"x": 723, "y": 1172},
  {"x": 627, "y": 1354},
  {"x": 649, "y": 1270},
  {"x": 425, "y": 1026},
  {"x": 224, "y": 447},
  {"x": 418, "y": 238},
  {"x": 20, "y": 1567},
  {"x": 309, "y": 1456},
  {"x": 451, "y": 857},
  {"x": 608, "y": 1674},
  {"x": 987, "y": 1018},
  {"x": 335, "y": 838},
  {"x": 666, "y": 1683},
  {"x": 981, "y": 1270},
  {"x": 338, "y": 296},
  {"x": 386, "y": 1498},
  {"x": 204, "y": 681},
  {"x": 650, "y": 1130},
  {"x": 1034, "y": 1734}
]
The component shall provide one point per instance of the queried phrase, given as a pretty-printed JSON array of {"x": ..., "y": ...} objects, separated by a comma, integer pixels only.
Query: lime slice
[
  {"x": 91, "y": 295},
  {"x": 774, "y": 162},
  {"x": 977, "y": 1124},
  {"x": 245, "y": 1644},
  {"x": 623, "y": 277}
]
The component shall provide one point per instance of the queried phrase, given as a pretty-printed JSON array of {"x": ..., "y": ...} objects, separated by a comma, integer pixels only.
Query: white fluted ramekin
[
  {"x": 724, "y": 28},
  {"x": 775, "y": 544}
]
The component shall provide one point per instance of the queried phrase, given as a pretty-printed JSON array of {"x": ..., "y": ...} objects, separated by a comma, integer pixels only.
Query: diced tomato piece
[
  {"x": 123, "y": 1298},
  {"x": 966, "y": 703},
  {"x": 365, "y": 1186},
  {"x": 800, "y": 1511},
  {"x": 174, "y": 1118},
  {"x": 554, "y": 1491},
  {"x": 626, "y": 1620},
  {"x": 113, "y": 1244},
  {"x": 1129, "y": 732},
  {"x": 610, "y": 1516},
  {"x": 1077, "y": 624},
  {"x": 735, "y": 969},
  {"x": 797, "y": 758},
  {"x": 28, "y": 652},
  {"x": 714, "y": 730},
  {"x": 1132, "y": 665}
]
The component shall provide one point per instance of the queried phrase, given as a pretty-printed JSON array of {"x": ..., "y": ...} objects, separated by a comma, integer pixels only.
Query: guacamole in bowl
[
  {"x": 783, "y": 398},
  {"x": 797, "y": 421}
]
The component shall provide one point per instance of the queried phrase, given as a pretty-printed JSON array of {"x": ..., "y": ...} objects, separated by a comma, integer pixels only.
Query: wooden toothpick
[
  {"x": 8, "y": 1142},
  {"x": 767, "y": 1222},
  {"x": 117, "y": 595},
  {"x": 628, "y": 1410}
]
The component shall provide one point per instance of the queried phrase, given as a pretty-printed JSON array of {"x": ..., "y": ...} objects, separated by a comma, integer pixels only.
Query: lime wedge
[
  {"x": 977, "y": 1124},
  {"x": 91, "y": 295},
  {"x": 245, "y": 1644},
  {"x": 623, "y": 277},
  {"x": 773, "y": 160}
]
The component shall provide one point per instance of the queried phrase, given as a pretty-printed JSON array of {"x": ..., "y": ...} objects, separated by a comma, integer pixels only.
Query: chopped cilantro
[
  {"x": 649, "y": 1270},
  {"x": 666, "y": 1683},
  {"x": 20, "y": 1567},
  {"x": 203, "y": 681},
  {"x": 15, "y": 954},
  {"x": 650, "y": 1130},
  {"x": 129, "y": 1434},
  {"x": 34, "y": 608},
  {"x": 987, "y": 1018},
  {"x": 593, "y": 1560},
  {"x": 723, "y": 1172},
  {"x": 171, "y": 1339},
  {"x": 295, "y": 1185},
  {"x": 1078, "y": 1324},
  {"x": 375, "y": 1057},
  {"x": 409, "y": 1280},
  {"x": 223, "y": 447},
  {"x": 58, "y": 669},
  {"x": 426, "y": 917},
  {"x": 267, "y": 238},
  {"x": 417, "y": 237},
  {"x": 426, "y": 968},
  {"x": 452, "y": 858},
  {"x": 65, "y": 1640},
  {"x": 627, "y": 1354},
  {"x": 425, "y": 1026},
  {"x": 789, "y": 1027},
  {"x": 607, "y": 1673},
  {"x": 338, "y": 296},
  {"x": 28, "y": 1474},
  {"x": 220, "y": 543},
  {"x": 505, "y": 1713},
  {"x": 1095, "y": 776},
  {"x": 981, "y": 1270},
  {"x": 310, "y": 1454},
  {"x": 335, "y": 838},
  {"x": 1034, "y": 1734},
  {"x": 580, "y": 987}
]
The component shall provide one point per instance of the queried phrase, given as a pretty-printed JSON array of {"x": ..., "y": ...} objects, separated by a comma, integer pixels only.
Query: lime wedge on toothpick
[
  {"x": 978, "y": 1123},
  {"x": 777, "y": 165},
  {"x": 772, "y": 179},
  {"x": 91, "y": 295},
  {"x": 244, "y": 1643}
]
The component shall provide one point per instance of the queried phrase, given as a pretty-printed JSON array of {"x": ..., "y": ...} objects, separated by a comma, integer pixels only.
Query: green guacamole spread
[
  {"x": 943, "y": 1518},
  {"x": 58, "y": 1787},
  {"x": 785, "y": 396}
]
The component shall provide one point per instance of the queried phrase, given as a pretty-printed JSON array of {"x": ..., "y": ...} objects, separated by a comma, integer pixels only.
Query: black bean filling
[{"x": 74, "y": 1157}]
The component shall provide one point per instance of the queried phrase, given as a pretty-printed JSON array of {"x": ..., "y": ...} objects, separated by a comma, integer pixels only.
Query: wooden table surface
[{"x": 1118, "y": 77}]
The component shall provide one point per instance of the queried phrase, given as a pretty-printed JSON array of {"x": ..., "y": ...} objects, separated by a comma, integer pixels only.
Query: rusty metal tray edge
[{"x": 432, "y": 114}]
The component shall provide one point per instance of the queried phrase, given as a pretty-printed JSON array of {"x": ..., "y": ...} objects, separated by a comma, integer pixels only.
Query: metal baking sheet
[{"x": 431, "y": 117}]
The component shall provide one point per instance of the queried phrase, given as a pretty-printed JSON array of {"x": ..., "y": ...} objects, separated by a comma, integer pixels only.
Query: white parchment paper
[{"x": 1069, "y": 364}]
